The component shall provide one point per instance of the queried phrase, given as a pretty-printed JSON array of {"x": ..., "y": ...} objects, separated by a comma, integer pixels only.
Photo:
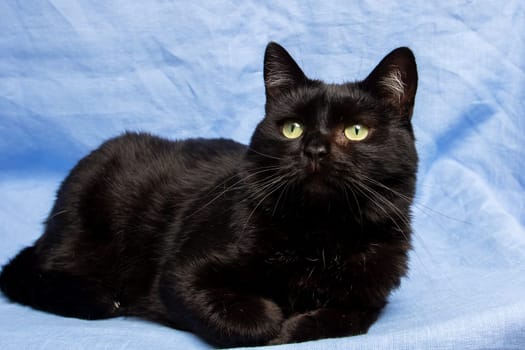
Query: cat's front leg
[
  {"x": 325, "y": 323},
  {"x": 217, "y": 297}
]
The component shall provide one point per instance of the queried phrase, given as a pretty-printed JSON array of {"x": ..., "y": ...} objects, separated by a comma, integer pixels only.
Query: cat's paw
[
  {"x": 298, "y": 328},
  {"x": 323, "y": 323},
  {"x": 246, "y": 320},
  {"x": 252, "y": 314}
]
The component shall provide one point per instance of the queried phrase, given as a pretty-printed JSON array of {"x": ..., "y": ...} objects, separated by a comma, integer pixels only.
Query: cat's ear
[
  {"x": 281, "y": 72},
  {"x": 395, "y": 80}
]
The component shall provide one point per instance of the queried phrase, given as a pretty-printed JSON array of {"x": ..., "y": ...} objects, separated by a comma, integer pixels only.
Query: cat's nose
[{"x": 316, "y": 151}]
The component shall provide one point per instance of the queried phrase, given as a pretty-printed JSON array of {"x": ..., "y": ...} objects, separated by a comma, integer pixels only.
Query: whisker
[
  {"x": 419, "y": 206},
  {"x": 373, "y": 196},
  {"x": 284, "y": 189},
  {"x": 345, "y": 191},
  {"x": 400, "y": 215},
  {"x": 264, "y": 154},
  {"x": 255, "y": 172},
  {"x": 273, "y": 184},
  {"x": 230, "y": 188},
  {"x": 270, "y": 192}
]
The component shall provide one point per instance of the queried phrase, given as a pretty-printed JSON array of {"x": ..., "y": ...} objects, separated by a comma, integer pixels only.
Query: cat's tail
[
  {"x": 23, "y": 280},
  {"x": 19, "y": 277}
]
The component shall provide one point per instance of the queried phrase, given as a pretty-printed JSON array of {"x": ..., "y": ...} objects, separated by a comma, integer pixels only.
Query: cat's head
[{"x": 335, "y": 143}]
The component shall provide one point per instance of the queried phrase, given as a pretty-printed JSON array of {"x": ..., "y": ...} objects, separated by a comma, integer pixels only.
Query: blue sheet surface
[{"x": 74, "y": 73}]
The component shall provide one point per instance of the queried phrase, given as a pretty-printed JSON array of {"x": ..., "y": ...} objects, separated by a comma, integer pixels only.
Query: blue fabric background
[{"x": 74, "y": 73}]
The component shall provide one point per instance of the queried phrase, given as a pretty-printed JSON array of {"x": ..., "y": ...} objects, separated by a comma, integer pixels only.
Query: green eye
[
  {"x": 356, "y": 132},
  {"x": 292, "y": 130}
]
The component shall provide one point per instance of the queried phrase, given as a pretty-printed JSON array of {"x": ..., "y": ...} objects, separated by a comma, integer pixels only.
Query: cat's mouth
[
  {"x": 318, "y": 184},
  {"x": 313, "y": 168}
]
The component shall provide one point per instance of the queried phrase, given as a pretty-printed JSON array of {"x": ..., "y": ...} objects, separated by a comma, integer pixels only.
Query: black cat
[{"x": 301, "y": 235}]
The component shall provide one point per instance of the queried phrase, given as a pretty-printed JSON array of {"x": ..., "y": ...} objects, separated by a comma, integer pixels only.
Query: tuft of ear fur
[
  {"x": 281, "y": 72},
  {"x": 394, "y": 80}
]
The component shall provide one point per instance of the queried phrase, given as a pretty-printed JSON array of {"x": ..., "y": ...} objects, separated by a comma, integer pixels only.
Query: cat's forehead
[
  {"x": 349, "y": 92},
  {"x": 347, "y": 97},
  {"x": 323, "y": 102}
]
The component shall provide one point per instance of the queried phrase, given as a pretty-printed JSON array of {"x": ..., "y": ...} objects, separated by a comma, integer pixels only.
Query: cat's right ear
[
  {"x": 281, "y": 72},
  {"x": 394, "y": 80}
]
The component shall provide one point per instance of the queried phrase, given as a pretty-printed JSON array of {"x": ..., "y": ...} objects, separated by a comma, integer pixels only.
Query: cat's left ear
[
  {"x": 395, "y": 80},
  {"x": 281, "y": 72}
]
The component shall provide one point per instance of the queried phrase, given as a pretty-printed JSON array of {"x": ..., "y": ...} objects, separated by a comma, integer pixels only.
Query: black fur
[{"x": 285, "y": 240}]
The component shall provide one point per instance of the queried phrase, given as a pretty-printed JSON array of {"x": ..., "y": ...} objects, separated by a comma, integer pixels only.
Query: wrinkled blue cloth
[{"x": 74, "y": 73}]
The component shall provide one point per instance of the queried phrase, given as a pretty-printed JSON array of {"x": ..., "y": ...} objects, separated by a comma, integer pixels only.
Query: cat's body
[{"x": 302, "y": 235}]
